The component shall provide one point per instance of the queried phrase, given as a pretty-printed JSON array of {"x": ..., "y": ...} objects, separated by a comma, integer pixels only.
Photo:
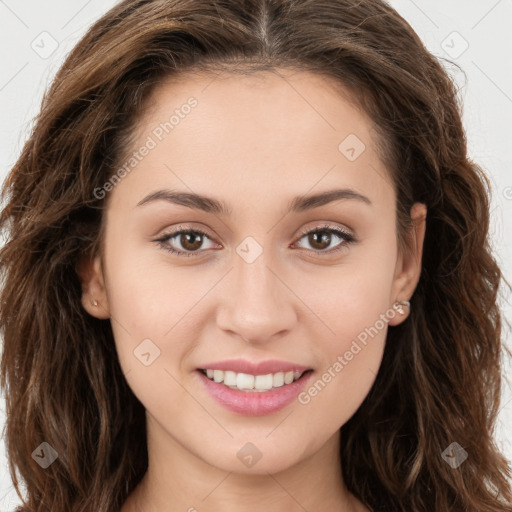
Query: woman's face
[{"x": 266, "y": 282}]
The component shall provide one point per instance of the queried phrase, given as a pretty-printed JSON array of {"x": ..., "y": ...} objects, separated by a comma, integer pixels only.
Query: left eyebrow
[
  {"x": 216, "y": 206},
  {"x": 194, "y": 201}
]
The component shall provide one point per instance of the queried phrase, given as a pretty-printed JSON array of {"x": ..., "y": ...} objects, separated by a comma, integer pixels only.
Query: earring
[
  {"x": 401, "y": 303},
  {"x": 94, "y": 302}
]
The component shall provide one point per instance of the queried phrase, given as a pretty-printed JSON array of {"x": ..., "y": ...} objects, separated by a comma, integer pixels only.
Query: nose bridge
[
  {"x": 259, "y": 304},
  {"x": 252, "y": 273}
]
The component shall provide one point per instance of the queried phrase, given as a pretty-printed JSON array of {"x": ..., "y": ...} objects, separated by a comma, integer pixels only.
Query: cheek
[
  {"x": 153, "y": 337},
  {"x": 352, "y": 306},
  {"x": 147, "y": 307},
  {"x": 350, "y": 362},
  {"x": 351, "y": 298},
  {"x": 148, "y": 295}
]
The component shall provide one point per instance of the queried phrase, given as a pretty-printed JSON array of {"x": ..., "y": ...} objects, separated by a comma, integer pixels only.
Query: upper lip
[{"x": 250, "y": 368}]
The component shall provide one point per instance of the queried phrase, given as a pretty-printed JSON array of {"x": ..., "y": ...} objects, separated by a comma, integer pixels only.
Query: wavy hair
[{"x": 440, "y": 378}]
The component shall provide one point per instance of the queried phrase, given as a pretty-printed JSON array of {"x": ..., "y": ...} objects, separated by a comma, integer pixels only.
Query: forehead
[
  {"x": 267, "y": 130},
  {"x": 259, "y": 100}
]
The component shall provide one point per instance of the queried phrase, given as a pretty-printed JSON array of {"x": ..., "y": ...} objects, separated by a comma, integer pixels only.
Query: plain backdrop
[{"x": 476, "y": 34}]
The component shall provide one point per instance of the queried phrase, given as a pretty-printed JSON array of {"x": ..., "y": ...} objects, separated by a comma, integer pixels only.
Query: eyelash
[{"x": 347, "y": 237}]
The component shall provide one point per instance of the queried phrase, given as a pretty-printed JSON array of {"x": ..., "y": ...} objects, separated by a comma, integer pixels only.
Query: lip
[
  {"x": 254, "y": 403},
  {"x": 261, "y": 368}
]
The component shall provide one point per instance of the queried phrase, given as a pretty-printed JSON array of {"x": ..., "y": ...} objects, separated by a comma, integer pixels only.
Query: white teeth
[
  {"x": 247, "y": 382},
  {"x": 278, "y": 380},
  {"x": 230, "y": 378},
  {"x": 244, "y": 381},
  {"x": 263, "y": 381}
]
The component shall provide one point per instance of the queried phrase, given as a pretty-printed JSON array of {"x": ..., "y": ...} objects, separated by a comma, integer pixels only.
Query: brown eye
[
  {"x": 319, "y": 241},
  {"x": 321, "y": 238},
  {"x": 189, "y": 241}
]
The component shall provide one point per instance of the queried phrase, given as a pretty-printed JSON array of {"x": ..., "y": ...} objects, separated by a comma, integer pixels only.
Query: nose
[{"x": 257, "y": 304}]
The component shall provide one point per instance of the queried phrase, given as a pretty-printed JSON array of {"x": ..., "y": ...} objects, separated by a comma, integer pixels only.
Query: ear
[
  {"x": 90, "y": 272},
  {"x": 408, "y": 264}
]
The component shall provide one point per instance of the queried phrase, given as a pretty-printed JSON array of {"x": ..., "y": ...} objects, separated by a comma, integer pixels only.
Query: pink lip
[
  {"x": 261, "y": 368},
  {"x": 254, "y": 403}
]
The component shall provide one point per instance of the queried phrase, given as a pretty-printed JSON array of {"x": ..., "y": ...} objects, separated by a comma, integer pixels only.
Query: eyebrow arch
[{"x": 211, "y": 205}]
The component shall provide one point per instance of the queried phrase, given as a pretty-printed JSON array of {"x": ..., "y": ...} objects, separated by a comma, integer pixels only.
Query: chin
[{"x": 256, "y": 457}]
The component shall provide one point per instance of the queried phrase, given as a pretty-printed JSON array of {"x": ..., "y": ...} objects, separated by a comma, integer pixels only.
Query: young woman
[{"x": 247, "y": 268}]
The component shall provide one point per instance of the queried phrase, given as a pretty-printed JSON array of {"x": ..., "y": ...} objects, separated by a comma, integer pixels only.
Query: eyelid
[
  {"x": 326, "y": 226},
  {"x": 181, "y": 229},
  {"x": 347, "y": 236}
]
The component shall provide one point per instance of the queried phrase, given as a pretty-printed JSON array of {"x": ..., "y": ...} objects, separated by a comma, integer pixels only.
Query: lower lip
[{"x": 254, "y": 403}]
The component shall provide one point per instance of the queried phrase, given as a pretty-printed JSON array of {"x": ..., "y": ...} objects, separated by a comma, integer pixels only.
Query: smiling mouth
[{"x": 253, "y": 383}]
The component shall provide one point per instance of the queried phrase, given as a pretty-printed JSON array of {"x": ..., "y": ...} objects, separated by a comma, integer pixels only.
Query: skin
[{"x": 254, "y": 142}]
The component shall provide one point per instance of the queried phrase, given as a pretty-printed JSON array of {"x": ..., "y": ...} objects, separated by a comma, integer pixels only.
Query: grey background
[{"x": 476, "y": 34}]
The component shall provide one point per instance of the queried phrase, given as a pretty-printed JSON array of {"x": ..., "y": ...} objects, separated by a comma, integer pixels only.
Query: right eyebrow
[{"x": 216, "y": 206}]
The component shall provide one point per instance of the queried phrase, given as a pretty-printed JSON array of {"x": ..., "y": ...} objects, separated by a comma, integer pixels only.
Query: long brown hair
[{"x": 440, "y": 377}]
